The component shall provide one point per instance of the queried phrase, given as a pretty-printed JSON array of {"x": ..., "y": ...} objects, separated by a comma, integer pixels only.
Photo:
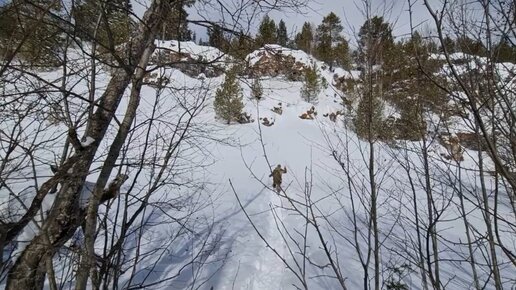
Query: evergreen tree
[
  {"x": 282, "y": 34},
  {"x": 375, "y": 45},
  {"x": 40, "y": 38},
  {"x": 257, "y": 89},
  {"x": 415, "y": 44},
  {"x": 341, "y": 54},
  {"x": 369, "y": 118},
  {"x": 228, "y": 103},
  {"x": 241, "y": 45},
  {"x": 175, "y": 24},
  {"x": 311, "y": 86},
  {"x": 267, "y": 31},
  {"x": 217, "y": 39},
  {"x": 115, "y": 25},
  {"x": 505, "y": 51},
  {"x": 328, "y": 38},
  {"x": 304, "y": 40},
  {"x": 375, "y": 41},
  {"x": 470, "y": 46},
  {"x": 408, "y": 88},
  {"x": 449, "y": 44}
]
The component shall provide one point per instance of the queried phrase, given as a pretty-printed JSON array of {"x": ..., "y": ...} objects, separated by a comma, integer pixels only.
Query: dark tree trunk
[{"x": 66, "y": 215}]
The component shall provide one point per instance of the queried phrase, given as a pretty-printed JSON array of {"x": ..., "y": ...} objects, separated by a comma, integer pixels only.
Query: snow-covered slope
[
  {"x": 194, "y": 231},
  {"x": 270, "y": 50},
  {"x": 197, "y": 52}
]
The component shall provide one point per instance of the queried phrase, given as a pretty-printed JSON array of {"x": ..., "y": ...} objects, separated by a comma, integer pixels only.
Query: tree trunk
[{"x": 65, "y": 216}]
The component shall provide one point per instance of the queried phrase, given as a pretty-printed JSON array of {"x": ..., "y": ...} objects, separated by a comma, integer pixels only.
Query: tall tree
[
  {"x": 216, "y": 38},
  {"x": 375, "y": 41},
  {"x": 282, "y": 34},
  {"x": 66, "y": 215},
  {"x": 267, "y": 31},
  {"x": 241, "y": 45},
  {"x": 328, "y": 38},
  {"x": 311, "y": 85},
  {"x": 29, "y": 26},
  {"x": 175, "y": 24},
  {"x": 228, "y": 102},
  {"x": 408, "y": 81},
  {"x": 448, "y": 44},
  {"x": 470, "y": 46},
  {"x": 304, "y": 40},
  {"x": 108, "y": 23},
  {"x": 505, "y": 51}
]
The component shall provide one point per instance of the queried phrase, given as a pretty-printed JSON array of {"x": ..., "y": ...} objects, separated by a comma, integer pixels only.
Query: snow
[
  {"x": 232, "y": 253},
  {"x": 300, "y": 57},
  {"x": 198, "y": 52},
  {"x": 271, "y": 49},
  {"x": 87, "y": 142}
]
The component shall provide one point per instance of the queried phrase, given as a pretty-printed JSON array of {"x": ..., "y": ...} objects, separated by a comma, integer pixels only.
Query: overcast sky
[{"x": 350, "y": 12}]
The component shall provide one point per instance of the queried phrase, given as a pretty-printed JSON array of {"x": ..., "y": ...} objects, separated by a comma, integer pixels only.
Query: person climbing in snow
[{"x": 276, "y": 177}]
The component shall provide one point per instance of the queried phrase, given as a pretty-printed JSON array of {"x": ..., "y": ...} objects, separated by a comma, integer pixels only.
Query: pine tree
[
  {"x": 304, "y": 40},
  {"x": 282, "y": 34},
  {"x": 217, "y": 39},
  {"x": 311, "y": 86},
  {"x": 113, "y": 29},
  {"x": 341, "y": 54},
  {"x": 369, "y": 118},
  {"x": 408, "y": 89},
  {"x": 375, "y": 42},
  {"x": 194, "y": 37},
  {"x": 241, "y": 45},
  {"x": 505, "y": 51},
  {"x": 470, "y": 46},
  {"x": 257, "y": 89},
  {"x": 328, "y": 36},
  {"x": 228, "y": 103},
  {"x": 267, "y": 31},
  {"x": 175, "y": 24},
  {"x": 40, "y": 38},
  {"x": 449, "y": 44}
]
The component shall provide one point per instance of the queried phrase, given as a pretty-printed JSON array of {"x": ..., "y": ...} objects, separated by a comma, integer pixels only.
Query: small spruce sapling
[
  {"x": 257, "y": 89},
  {"x": 311, "y": 86},
  {"x": 228, "y": 99},
  {"x": 369, "y": 118}
]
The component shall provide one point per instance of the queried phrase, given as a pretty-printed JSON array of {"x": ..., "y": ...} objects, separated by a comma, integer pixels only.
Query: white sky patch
[
  {"x": 350, "y": 12},
  {"x": 89, "y": 140}
]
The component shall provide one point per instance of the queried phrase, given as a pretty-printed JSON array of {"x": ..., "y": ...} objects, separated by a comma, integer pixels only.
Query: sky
[
  {"x": 350, "y": 12},
  {"x": 351, "y": 15}
]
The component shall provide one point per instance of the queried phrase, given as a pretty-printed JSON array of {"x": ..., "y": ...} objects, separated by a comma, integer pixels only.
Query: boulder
[
  {"x": 472, "y": 141},
  {"x": 453, "y": 146},
  {"x": 272, "y": 63}
]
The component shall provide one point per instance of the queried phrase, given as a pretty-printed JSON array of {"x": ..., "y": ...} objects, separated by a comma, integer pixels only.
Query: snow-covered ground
[{"x": 195, "y": 215}]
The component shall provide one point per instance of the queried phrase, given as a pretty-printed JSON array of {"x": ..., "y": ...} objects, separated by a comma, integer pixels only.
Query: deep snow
[{"x": 234, "y": 257}]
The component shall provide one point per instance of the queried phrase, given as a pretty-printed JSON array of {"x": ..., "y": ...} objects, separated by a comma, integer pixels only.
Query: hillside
[{"x": 194, "y": 233}]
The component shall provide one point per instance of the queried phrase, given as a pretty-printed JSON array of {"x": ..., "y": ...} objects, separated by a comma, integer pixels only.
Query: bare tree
[{"x": 82, "y": 109}]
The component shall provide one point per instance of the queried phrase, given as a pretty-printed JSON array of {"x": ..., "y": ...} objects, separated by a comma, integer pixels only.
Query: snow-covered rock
[{"x": 191, "y": 58}]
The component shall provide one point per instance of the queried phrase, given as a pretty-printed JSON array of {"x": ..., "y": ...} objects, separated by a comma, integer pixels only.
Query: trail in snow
[{"x": 296, "y": 143}]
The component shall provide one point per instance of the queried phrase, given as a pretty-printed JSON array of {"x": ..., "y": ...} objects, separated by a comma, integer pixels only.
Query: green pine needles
[
  {"x": 312, "y": 85},
  {"x": 228, "y": 99}
]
